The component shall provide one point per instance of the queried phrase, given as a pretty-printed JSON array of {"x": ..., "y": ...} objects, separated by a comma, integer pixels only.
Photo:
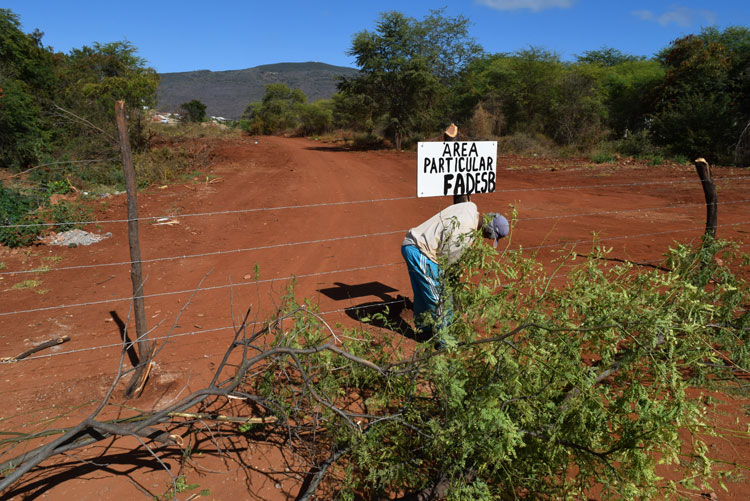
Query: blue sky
[{"x": 226, "y": 35}]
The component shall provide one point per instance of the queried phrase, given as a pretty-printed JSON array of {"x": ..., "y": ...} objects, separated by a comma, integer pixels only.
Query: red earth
[{"x": 330, "y": 217}]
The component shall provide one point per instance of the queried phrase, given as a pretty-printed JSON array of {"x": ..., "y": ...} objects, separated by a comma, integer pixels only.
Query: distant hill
[{"x": 227, "y": 93}]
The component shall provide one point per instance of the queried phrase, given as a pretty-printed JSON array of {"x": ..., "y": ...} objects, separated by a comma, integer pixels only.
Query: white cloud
[
  {"x": 681, "y": 16},
  {"x": 533, "y": 5}
]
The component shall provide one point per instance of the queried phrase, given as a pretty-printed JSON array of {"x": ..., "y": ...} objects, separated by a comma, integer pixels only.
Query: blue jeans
[{"x": 423, "y": 273}]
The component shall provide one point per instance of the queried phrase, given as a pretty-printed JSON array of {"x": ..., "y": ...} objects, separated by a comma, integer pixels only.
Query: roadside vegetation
[{"x": 416, "y": 76}]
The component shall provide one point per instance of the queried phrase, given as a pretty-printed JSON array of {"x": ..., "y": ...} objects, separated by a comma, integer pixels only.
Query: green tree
[
  {"x": 193, "y": 111},
  {"x": 706, "y": 74},
  {"x": 353, "y": 111},
  {"x": 316, "y": 118},
  {"x": 26, "y": 81},
  {"x": 97, "y": 76},
  {"x": 631, "y": 90},
  {"x": 278, "y": 110},
  {"x": 406, "y": 67},
  {"x": 523, "y": 85},
  {"x": 607, "y": 56},
  {"x": 578, "y": 112}
]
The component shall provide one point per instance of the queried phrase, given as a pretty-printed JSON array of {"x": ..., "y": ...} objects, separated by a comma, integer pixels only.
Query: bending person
[{"x": 444, "y": 236}]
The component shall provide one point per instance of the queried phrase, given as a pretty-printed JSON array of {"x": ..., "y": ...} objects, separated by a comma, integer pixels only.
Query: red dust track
[{"x": 330, "y": 217}]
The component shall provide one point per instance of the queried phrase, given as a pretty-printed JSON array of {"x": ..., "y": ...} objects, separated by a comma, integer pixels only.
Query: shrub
[
  {"x": 603, "y": 158},
  {"x": 67, "y": 215},
  {"x": 16, "y": 212},
  {"x": 161, "y": 165},
  {"x": 485, "y": 124},
  {"x": 367, "y": 140},
  {"x": 636, "y": 144},
  {"x": 522, "y": 143},
  {"x": 529, "y": 391},
  {"x": 652, "y": 160}
]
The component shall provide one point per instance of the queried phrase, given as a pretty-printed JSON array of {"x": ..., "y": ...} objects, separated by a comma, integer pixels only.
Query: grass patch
[
  {"x": 27, "y": 284},
  {"x": 603, "y": 158},
  {"x": 181, "y": 486},
  {"x": 652, "y": 159},
  {"x": 681, "y": 160}
]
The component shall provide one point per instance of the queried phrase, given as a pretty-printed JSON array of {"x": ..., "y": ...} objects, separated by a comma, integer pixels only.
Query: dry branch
[{"x": 39, "y": 347}]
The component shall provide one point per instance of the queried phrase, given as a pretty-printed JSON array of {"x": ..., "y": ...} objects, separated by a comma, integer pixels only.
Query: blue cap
[{"x": 497, "y": 228}]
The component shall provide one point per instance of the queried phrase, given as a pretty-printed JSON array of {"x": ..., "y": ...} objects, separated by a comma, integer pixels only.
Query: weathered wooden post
[
  {"x": 709, "y": 190},
  {"x": 451, "y": 134},
  {"x": 136, "y": 275}
]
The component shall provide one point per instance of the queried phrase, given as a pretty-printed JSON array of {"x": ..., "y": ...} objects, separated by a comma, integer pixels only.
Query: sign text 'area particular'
[{"x": 456, "y": 168}]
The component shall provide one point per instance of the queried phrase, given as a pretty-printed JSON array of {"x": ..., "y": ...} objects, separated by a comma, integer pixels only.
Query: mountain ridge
[{"x": 227, "y": 93}]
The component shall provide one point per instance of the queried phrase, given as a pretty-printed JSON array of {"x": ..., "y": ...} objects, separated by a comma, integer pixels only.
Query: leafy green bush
[
  {"x": 603, "y": 158},
  {"x": 366, "y": 140},
  {"x": 316, "y": 118},
  {"x": 521, "y": 143},
  {"x": 16, "y": 212},
  {"x": 681, "y": 159},
  {"x": 67, "y": 215},
  {"x": 636, "y": 144},
  {"x": 652, "y": 160},
  {"x": 532, "y": 391}
]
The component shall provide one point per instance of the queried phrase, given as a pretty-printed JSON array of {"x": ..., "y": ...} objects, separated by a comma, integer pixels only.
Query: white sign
[{"x": 456, "y": 168}]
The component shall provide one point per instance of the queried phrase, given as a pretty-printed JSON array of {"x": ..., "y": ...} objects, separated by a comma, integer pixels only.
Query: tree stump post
[{"x": 709, "y": 191}]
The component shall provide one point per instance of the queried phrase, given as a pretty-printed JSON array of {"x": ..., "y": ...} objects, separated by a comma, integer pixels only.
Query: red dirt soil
[{"x": 285, "y": 205}]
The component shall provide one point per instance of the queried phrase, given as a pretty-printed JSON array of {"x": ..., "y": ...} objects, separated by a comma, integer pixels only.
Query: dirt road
[{"x": 274, "y": 208}]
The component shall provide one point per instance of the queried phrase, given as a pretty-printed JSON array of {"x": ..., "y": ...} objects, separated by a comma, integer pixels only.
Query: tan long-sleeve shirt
[{"x": 447, "y": 233}]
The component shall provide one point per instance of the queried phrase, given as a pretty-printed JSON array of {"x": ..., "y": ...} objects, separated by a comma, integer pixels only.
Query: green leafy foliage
[
  {"x": 15, "y": 214},
  {"x": 607, "y": 56},
  {"x": 703, "y": 107},
  {"x": 543, "y": 385},
  {"x": 26, "y": 76},
  {"x": 67, "y": 215},
  {"x": 316, "y": 118},
  {"x": 57, "y": 106},
  {"x": 279, "y": 110},
  {"x": 193, "y": 111},
  {"x": 406, "y": 66}
]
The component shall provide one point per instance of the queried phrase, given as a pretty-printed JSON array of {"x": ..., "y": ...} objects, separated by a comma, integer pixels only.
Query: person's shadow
[{"x": 385, "y": 313}]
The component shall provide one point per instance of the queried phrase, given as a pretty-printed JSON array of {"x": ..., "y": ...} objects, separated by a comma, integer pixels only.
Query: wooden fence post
[
  {"x": 451, "y": 134},
  {"x": 136, "y": 275},
  {"x": 709, "y": 190}
]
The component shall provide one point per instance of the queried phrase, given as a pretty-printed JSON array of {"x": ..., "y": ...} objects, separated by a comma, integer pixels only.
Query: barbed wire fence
[{"x": 674, "y": 207}]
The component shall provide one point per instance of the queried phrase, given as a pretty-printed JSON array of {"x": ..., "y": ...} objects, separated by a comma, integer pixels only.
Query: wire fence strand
[
  {"x": 349, "y": 237},
  {"x": 224, "y": 286},
  {"x": 198, "y": 289},
  {"x": 326, "y": 204},
  {"x": 189, "y": 333}
]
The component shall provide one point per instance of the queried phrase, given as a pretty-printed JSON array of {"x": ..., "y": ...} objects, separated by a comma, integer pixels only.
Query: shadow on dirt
[
  {"x": 137, "y": 466},
  {"x": 385, "y": 314},
  {"x": 330, "y": 148},
  {"x": 118, "y": 465},
  {"x": 132, "y": 355}
]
